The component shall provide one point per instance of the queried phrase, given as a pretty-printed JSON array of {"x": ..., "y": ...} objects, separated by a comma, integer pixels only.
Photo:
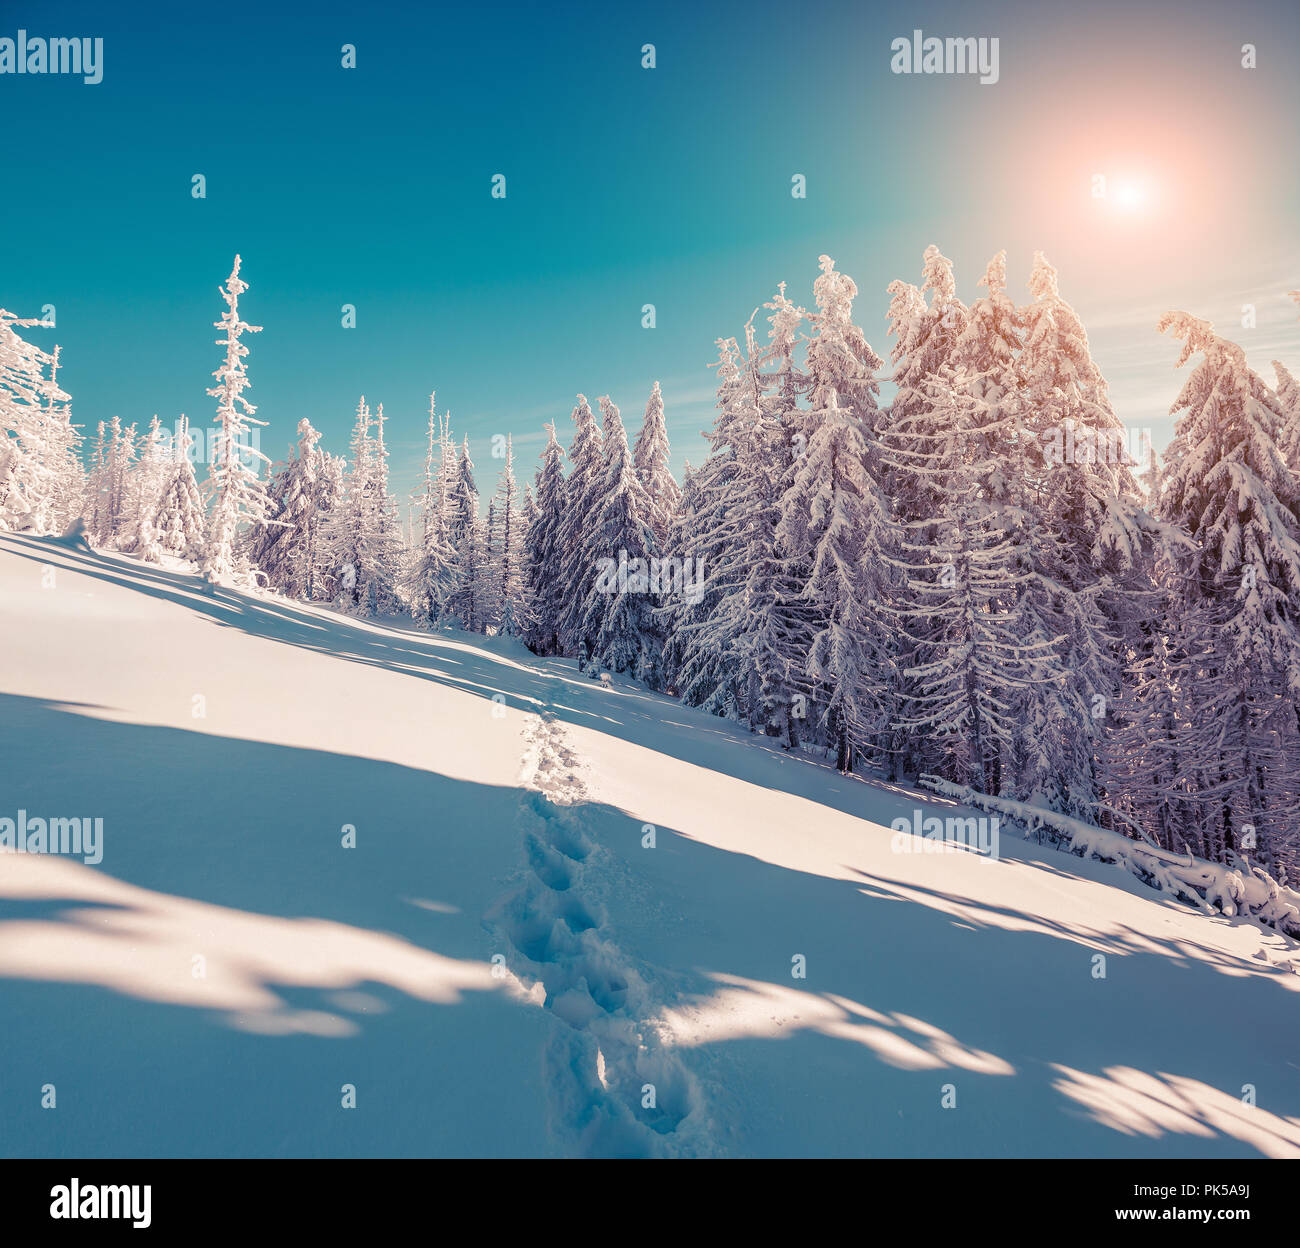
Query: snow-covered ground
[{"x": 571, "y": 922}]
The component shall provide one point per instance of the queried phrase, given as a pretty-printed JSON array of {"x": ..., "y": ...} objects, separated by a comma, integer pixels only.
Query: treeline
[{"x": 968, "y": 581}]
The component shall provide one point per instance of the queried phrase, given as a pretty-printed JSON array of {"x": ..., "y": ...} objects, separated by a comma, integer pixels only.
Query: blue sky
[{"x": 625, "y": 186}]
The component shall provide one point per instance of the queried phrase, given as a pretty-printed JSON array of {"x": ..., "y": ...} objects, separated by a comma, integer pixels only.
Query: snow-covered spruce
[
  {"x": 1234, "y": 617},
  {"x": 171, "y": 520},
  {"x": 431, "y": 561},
  {"x": 292, "y": 548},
  {"x": 616, "y": 624},
  {"x": 543, "y": 559},
  {"x": 650, "y": 455},
  {"x": 40, "y": 472},
  {"x": 238, "y": 494}
]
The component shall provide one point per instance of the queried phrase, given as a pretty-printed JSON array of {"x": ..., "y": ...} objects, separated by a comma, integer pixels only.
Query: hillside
[{"x": 558, "y": 895}]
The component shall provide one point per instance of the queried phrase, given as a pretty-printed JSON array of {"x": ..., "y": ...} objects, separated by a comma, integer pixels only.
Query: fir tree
[
  {"x": 927, "y": 334},
  {"x": 144, "y": 487},
  {"x": 238, "y": 494},
  {"x": 67, "y": 477},
  {"x": 465, "y": 601},
  {"x": 545, "y": 594},
  {"x": 352, "y": 538},
  {"x": 833, "y": 519},
  {"x": 121, "y": 455},
  {"x": 431, "y": 574},
  {"x": 32, "y": 439},
  {"x": 1288, "y": 397},
  {"x": 1237, "y": 600},
  {"x": 617, "y": 618},
  {"x": 174, "y": 523},
  {"x": 651, "y": 458},
  {"x": 506, "y": 536},
  {"x": 582, "y": 495},
  {"x": 386, "y": 551},
  {"x": 974, "y": 650},
  {"x": 291, "y": 548},
  {"x": 701, "y": 660}
]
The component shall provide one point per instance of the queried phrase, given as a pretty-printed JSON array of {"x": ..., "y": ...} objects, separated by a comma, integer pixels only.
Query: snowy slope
[{"x": 502, "y": 808}]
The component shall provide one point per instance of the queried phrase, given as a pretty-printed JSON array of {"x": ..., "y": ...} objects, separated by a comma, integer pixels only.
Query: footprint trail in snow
[{"x": 615, "y": 1086}]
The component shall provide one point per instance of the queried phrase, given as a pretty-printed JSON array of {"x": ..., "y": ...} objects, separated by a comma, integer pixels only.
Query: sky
[{"x": 625, "y": 186}]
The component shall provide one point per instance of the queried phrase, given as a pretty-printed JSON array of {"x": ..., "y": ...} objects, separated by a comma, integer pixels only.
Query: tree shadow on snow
[
  {"x": 908, "y": 990},
  {"x": 228, "y": 954}
]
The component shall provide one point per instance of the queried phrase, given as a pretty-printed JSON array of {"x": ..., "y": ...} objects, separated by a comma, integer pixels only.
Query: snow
[
  {"x": 1241, "y": 888},
  {"x": 646, "y": 876}
]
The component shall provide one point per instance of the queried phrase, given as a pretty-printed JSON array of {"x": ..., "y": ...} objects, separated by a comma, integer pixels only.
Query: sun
[{"x": 1130, "y": 196}]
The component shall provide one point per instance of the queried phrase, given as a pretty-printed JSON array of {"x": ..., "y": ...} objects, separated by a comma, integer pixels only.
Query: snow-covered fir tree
[
  {"x": 121, "y": 454},
  {"x": 618, "y": 630},
  {"x": 491, "y": 587},
  {"x": 107, "y": 506},
  {"x": 582, "y": 494},
  {"x": 174, "y": 523},
  {"x": 63, "y": 446},
  {"x": 701, "y": 660},
  {"x": 651, "y": 454},
  {"x": 834, "y": 520},
  {"x": 36, "y": 441},
  {"x": 1089, "y": 543},
  {"x": 432, "y": 560},
  {"x": 1090, "y": 496},
  {"x": 94, "y": 506},
  {"x": 1236, "y": 601},
  {"x": 926, "y": 335},
  {"x": 292, "y": 547},
  {"x": 506, "y": 540},
  {"x": 144, "y": 487},
  {"x": 926, "y": 332},
  {"x": 469, "y": 591},
  {"x": 834, "y": 527},
  {"x": 983, "y": 358},
  {"x": 740, "y": 648},
  {"x": 363, "y": 538},
  {"x": 1288, "y": 397},
  {"x": 779, "y": 637},
  {"x": 544, "y": 590},
  {"x": 974, "y": 650},
  {"x": 1142, "y": 754},
  {"x": 839, "y": 356},
  {"x": 238, "y": 494},
  {"x": 350, "y": 535},
  {"x": 386, "y": 547}
]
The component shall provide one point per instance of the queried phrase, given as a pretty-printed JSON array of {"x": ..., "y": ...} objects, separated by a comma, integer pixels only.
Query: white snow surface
[{"x": 501, "y": 967}]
